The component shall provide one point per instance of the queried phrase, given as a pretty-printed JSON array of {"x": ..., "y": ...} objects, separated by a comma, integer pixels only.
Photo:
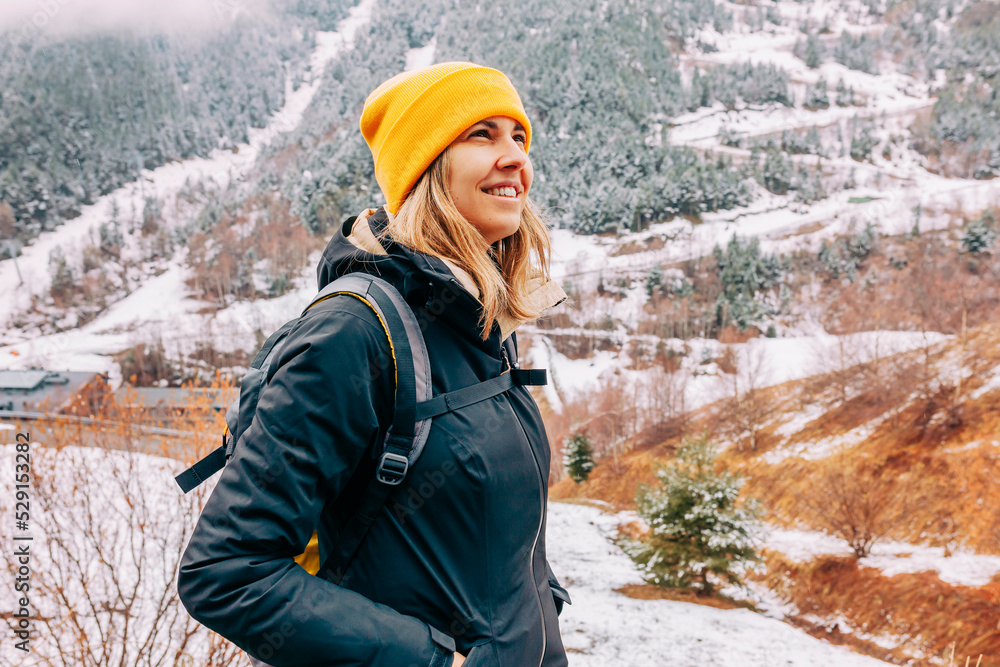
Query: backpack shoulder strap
[
  {"x": 407, "y": 434},
  {"x": 406, "y": 437}
]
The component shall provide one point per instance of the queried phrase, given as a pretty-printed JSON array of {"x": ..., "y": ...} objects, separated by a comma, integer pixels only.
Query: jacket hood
[{"x": 423, "y": 280}]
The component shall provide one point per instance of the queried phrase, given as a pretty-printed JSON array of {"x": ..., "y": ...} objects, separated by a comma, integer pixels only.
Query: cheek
[
  {"x": 463, "y": 192},
  {"x": 466, "y": 173}
]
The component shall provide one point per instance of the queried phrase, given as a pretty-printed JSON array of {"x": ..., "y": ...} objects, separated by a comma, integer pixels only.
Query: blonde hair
[{"x": 428, "y": 221}]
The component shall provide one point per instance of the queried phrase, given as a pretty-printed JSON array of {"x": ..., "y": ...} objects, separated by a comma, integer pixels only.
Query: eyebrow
[{"x": 493, "y": 126}]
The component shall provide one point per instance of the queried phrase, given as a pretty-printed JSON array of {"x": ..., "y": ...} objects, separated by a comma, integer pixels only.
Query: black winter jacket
[{"x": 456, "y": 559}]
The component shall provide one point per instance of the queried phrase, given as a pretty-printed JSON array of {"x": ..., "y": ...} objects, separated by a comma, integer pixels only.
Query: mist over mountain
[{"x": 62, "y": 19}]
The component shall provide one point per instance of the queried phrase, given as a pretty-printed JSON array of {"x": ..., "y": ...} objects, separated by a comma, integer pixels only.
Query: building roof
[
  {"x": 23, "y": 380},
  {"x": 40, "y": 389},
  {"x": 177, "y": 397}
]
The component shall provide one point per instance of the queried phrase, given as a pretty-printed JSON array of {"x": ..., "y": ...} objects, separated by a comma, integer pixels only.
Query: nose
[{"x": 512, "y": 155}]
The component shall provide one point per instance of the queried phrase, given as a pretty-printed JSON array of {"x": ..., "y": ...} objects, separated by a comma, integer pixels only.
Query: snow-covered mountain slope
[
  {"x": 28, "y": 276},
  {"x": 159, "y": 309}
]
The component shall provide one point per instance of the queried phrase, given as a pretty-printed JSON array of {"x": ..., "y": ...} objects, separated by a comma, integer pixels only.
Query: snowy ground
[
  {"x": 105, "y": 528},
  {"x": 603, "y": 628},
  {"x": 771, "y": 361}
]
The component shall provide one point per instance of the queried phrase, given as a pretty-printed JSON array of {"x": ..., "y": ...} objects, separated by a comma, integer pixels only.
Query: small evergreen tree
[
  {"x": 814, "y": 52},
  {"x": 776, "y": 174},
  {"x": 857, "y": 52},
  {"x": 817, "y": 96},
  {"x": 863, "y": 141},
  {"x": 578, "y": 457},
  {"x": 980, "y": 234},
  {"x": 699, "y": 532},
  {"x": 62, "y": 276},
  {"x": 111, "y": 237},
  {"x": 845, "y": 95},
  {"x": 813, "y": 142},
  {"x": 654, "y": 281},
  {"x": 745, "y": 273},
  {"x": 918, "y": 211},
  {"x": 864, "y": 243}
]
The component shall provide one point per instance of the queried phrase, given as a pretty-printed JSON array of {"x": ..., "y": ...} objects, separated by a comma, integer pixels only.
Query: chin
[{"x": 507, "y": 231}]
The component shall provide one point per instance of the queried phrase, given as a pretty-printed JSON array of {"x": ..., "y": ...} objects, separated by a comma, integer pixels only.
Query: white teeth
[{"x": 503, "y": 192}]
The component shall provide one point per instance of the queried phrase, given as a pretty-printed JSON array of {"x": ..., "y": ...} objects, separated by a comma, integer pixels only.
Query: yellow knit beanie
[{"x": 411, "y": 118}]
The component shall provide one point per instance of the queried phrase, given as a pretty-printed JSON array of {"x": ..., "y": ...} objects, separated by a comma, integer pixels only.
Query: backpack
[{"x": 413, "y": 410}]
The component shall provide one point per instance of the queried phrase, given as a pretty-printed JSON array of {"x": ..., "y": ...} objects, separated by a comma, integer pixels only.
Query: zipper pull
[{"x": 504, "y": 360}]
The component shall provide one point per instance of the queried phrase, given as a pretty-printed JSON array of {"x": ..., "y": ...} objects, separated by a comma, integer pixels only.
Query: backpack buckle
[{"x": 391, "y": 469}]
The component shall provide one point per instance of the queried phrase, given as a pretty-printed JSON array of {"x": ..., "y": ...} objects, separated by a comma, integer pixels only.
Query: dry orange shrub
[
  {"x": 936, "y": 496},
  {"x": 925, "y": 614},
  {"x": 116, "y": 420},
  {"x": 616, "y": 488},
  {"x": 223, "y": 258}
]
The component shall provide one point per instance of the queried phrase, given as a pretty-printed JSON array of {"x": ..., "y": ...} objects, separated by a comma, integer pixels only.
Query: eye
[
  {"x": 480, "y": 133},
  {"x": 521, "y": 137}
]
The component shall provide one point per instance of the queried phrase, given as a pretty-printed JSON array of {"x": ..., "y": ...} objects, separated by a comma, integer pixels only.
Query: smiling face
[{"x": 490, "y": 176}]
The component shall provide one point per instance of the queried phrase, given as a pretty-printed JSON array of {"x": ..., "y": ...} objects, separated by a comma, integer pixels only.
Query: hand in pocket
[{"x": 479, "y": 656}]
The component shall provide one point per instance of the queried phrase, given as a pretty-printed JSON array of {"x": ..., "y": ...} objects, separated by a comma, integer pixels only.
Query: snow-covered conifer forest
[{"x": 776, "y": 222}]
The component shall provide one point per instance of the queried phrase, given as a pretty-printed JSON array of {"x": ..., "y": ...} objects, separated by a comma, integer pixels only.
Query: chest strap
[{"x": 461, "y": 398}]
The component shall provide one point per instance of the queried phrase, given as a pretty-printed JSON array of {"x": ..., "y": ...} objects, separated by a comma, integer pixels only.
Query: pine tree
[
  {"x": 776, "y": 174},
  {"x": 578, "y": 457},
  {"x": 813, "y": 142},
  {"x": 654, "y": 281},
  {"x": 744, "y": 272},
  {"x": 814, "y": 52},
  {"x": 980, "y": 234},
  {"x": 816, "y": 96},
  {"x": 856, "y": 52},
  {"x": 62, "y": 276},
  {"x": 915, "y": 230},
  {"x": 699, "y": 531},
  {"x": 111, "y": 238},
  {"x": 864, "y": 242},
  {"x": 863, "y": 141},
  {"x": 845, "y": 95}
]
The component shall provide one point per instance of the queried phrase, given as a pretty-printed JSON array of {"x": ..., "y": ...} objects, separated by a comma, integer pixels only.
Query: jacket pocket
[
  {"x": 560, "y": 596},
  {"x": 441, "y": 658},
  {"x": 481, "y": 655}
]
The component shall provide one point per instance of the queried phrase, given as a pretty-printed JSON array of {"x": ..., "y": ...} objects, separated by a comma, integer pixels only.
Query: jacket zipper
[
  {"x": 538, "y": 532},
  {"x": 541, "y": 516}
]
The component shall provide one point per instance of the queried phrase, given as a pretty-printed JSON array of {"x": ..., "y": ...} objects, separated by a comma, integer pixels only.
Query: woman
[{"x": 453, "y": 569}]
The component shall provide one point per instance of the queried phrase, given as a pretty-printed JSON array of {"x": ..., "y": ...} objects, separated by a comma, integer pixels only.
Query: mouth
[{"x": 502, "y": 193}]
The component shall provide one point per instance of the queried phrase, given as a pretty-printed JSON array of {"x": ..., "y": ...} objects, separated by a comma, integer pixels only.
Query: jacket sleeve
[
  {"x": 559, "y": 594},
  {"x": 314, "y": 420}
]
